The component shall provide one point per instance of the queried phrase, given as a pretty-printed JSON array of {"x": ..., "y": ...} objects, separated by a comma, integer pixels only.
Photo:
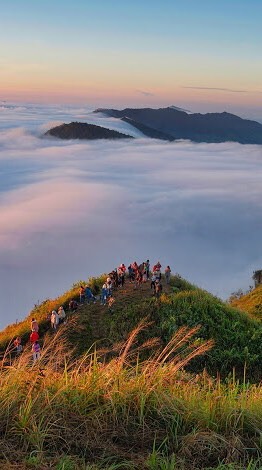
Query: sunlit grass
[{"x": 69, "y": 412}]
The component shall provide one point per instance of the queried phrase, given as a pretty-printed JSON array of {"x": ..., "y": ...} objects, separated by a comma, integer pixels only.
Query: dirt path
[{"x": 93, "y": 314}]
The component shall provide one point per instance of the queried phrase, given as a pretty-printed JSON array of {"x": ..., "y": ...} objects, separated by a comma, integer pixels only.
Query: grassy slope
[
  {"x": 251, "y": 303},
  {"x": 88, "y": 414},
  {"x": 237, "y": 336}
]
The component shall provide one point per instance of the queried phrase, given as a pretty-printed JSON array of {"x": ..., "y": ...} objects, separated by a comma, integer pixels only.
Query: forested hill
[
  {"x": 236, "y": 335},
  {"x": 84, "y": 131},
  {"x": 172, "y": 123}
]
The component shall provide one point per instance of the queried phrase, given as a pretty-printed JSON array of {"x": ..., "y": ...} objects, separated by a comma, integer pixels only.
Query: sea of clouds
[{"x": 72, "y": 209}]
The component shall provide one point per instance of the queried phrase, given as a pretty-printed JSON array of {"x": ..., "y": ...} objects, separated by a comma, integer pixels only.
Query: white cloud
[{"x": 74, "y": 209}]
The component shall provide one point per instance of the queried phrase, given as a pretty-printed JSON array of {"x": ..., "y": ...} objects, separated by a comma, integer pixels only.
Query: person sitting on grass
[{"x": 72, "y": 305}]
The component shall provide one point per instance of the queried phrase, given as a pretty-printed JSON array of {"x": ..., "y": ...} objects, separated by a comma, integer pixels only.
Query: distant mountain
[
  {"x": 175, "y": 123},
  {"x": 81, "y": 130},
  {"x": 148, "y": 131}
]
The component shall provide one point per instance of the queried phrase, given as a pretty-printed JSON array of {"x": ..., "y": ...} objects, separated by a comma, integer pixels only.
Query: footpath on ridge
[{"x": 93, "y": 317}]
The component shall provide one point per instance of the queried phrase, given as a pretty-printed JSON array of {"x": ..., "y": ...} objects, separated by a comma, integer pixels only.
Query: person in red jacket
[{"x": 34, "y": 336}]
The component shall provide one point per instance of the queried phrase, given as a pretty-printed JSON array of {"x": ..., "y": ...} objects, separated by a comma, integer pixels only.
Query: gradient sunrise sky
[{"x": 147, "y": 52}]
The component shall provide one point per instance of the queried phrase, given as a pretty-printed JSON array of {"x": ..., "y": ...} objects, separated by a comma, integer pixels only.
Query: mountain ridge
[{"x": 197, "y": 127}]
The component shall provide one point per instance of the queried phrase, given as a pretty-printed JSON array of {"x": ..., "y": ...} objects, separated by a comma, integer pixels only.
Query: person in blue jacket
[
  {"x": 104, "y": 294},
  {"x": 89, "y": 295}
]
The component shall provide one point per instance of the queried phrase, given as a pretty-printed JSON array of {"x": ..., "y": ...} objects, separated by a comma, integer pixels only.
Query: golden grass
[{"x": 92, "y": 409}]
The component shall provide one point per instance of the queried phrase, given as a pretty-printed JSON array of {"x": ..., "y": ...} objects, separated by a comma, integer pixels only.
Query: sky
[
  {"x": 205, "y": 55},
  {"x": 75, "y": 209}
]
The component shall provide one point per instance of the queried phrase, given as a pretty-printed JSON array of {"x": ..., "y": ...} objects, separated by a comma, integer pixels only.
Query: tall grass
[{"x": 69, "y": 413}]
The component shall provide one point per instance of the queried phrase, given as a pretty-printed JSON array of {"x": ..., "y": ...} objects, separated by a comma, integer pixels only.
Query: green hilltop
[{"x": 237, "y": 335}]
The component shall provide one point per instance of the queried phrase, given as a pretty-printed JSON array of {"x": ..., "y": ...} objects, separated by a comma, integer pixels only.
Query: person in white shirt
[{"x": 54, "y": 319}]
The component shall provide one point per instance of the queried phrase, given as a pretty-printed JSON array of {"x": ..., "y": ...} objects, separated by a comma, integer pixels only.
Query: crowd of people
[{"x": 135, "y": 273}]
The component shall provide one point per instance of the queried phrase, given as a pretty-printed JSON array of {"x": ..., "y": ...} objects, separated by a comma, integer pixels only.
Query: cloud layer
[{"x": 74, "y": 209}]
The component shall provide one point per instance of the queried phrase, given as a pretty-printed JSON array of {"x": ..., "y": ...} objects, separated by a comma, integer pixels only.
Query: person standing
[
  {"x": 18, "y": 345},
  {"x": 147, "y": 268},
  {"x": 158, "y": 288},
  {"x": 153, "y": 282},
  {"x": 36, "y": 351},
  {"x": 130, "y": 273},
  {"x": 61, "y": 314},
  {"x": 82, "y": 294},
  {"x": 167, "y": 274},
  {"x": 34, "y": 336},
  {"x": 34, "y": 325},
  {"x": 54, "y": 320},
  {"x": 104, "y": 294}
]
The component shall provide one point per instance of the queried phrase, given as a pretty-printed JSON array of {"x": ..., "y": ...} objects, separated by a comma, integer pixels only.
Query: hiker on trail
[
  {"x": 156, "y": 270},
  {"x": 89, "y": 295},
  {"x": 34, "y": 336},
  {"x": 72, "y": 305},
  {"x": 135, "y": 267},
  {"x": 153, "y": 282},
  {"x": 141, "y": 268},
  {"x": 54, "y": 320},
  {"x": 121, "y": 270},
  {"x": 81, "y": 294},
  {"x": 61, "y": 315},
  {"x": 34, "y": 325},
  {"x": 121, "y": 279},
  {"x": 167, "y": 274},
  {"x": 18, "y": 345},
  {"x": 138, "y": 279},
  {"x": 109, "y": 287},
  {"x": 104, "y": 294},
  {"x": 158, "y": 288},
  {"x": 111, "y": 301},
  {"x": 144, "y": 273},
  {"x": 147, "y": 268},
  {"x": 36, "y": 351},
  {"x": 113, "y": 276},
  {"x": 131, "y": 276}
]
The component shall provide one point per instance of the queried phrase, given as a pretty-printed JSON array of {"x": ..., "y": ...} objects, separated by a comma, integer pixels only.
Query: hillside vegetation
[
  {"x": 251, "y": 302},
  {"x": 237, "y": 337},
  {"x": 152, "y": 385}
]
